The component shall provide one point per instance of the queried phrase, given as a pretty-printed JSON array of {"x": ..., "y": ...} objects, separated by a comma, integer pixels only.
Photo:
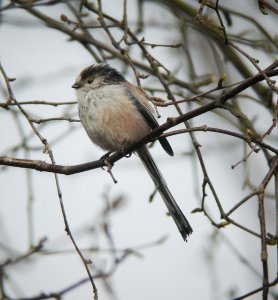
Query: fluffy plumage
[{"x": 116, "y": 114}]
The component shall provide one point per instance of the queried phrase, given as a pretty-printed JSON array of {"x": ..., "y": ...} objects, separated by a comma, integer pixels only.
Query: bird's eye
[{"x": 90, "y": 80}]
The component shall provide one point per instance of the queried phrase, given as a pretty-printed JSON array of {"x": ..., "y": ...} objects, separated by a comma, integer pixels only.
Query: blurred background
[{"x": 135, "y": 248}]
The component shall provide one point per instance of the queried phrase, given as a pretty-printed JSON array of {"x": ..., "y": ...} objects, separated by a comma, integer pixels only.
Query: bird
[{"x": 115, "y": 113}]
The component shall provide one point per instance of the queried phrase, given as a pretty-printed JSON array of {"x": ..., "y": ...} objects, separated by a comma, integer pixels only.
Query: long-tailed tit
[{"x": 115, "y": 114}]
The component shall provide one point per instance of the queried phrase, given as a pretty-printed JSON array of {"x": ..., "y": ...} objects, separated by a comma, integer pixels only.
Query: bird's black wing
[{"x": 150, "y": 119}]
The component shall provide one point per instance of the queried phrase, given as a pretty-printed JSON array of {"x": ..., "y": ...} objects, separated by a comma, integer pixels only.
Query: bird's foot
[
  {"x": 126, "y": 154},
  {"x": 103, "y": 161}
]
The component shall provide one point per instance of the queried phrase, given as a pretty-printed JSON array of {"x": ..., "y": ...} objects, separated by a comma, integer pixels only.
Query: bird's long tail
[{"x": 173, "y": 208}]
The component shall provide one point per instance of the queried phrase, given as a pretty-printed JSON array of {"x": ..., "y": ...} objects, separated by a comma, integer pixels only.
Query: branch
[{"x": 171, "y": 122}]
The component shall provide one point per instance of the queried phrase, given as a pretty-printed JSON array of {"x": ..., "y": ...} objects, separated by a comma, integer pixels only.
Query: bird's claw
[
  {"x": 103, "y": 161},
  {"x": 126, "y": 154}
]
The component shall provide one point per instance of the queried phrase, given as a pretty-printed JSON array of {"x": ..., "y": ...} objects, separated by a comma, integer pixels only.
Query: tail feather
[{"x": 173, "y": 208}]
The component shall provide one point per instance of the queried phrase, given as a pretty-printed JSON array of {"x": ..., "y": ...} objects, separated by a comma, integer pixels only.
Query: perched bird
[{"x": 115, "y": 114}]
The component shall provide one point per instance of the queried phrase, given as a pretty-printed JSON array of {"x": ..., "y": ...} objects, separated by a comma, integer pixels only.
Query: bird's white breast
[{"x": 110, "y": 118}]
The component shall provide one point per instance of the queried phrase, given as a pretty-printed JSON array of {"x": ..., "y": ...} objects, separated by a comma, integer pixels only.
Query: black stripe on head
[{"x": 110, "y": 75}]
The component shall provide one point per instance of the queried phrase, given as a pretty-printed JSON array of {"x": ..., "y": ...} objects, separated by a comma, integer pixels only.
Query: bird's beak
[{"x": 76, "y": 85}]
